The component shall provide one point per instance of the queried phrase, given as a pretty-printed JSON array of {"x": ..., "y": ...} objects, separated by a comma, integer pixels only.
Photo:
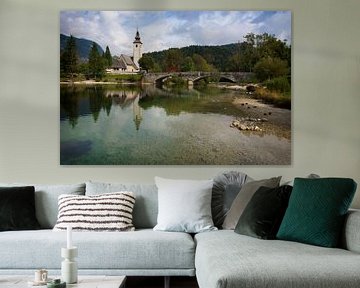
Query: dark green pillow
[
  {"x": 264, "y": 212},
  {"x": 17, "y": 208},
  {"x": 316, "y": 211}
]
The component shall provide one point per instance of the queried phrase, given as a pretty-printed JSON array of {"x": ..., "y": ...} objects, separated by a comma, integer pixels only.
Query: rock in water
[{"x": 246, "y": 124}]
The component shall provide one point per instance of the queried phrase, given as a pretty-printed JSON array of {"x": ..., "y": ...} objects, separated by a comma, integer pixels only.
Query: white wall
[{"x": 326, "y": 91}]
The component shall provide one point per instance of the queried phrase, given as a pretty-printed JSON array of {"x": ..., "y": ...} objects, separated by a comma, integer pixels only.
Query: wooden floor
[{"x": 158, "y": 282}]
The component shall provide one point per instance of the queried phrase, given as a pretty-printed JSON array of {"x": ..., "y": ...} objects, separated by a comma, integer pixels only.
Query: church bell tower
[{"x": 137, "y": 49}]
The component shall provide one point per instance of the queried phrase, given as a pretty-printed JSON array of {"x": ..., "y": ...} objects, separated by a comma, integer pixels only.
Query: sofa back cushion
[
  {"x": 146, "y": 204},
  {"x": 46, "y": 200}
]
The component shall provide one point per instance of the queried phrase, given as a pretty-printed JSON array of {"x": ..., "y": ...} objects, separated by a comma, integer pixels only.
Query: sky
[{"x": 160, "y": 30}]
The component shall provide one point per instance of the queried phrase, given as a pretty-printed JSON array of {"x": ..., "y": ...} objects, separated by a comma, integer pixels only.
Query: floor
[{"x": 158, "y": 282}]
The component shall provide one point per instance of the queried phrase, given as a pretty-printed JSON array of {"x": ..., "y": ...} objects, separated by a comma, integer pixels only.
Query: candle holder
[{"x": 68, "y": 265}]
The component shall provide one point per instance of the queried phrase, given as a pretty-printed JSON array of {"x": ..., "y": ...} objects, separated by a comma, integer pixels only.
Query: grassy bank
[
  {"x": 282, "y": 100},
  {"x": 118, "y": 78},
  {"x": 122, "y": 78}
]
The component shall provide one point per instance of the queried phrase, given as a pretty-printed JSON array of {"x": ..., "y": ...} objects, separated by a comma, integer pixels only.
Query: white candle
[{"x": 69, "y": 239}]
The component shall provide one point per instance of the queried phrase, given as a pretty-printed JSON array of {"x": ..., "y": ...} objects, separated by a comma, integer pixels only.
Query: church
[{"x": 125, "y": 64}]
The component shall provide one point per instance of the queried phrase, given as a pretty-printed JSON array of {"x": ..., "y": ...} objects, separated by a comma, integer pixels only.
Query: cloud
[
  {"x": 279, "y": 24},
  {"x": 161, "y": 30}
]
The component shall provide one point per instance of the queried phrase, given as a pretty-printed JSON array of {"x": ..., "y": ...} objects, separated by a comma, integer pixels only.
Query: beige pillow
[{"x": 243, "y": 198}]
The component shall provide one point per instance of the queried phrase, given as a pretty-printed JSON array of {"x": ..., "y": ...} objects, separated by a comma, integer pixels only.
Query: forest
[{"x": 264, "y": 54}]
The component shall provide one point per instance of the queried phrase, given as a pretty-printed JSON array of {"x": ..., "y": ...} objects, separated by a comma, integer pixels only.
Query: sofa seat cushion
[
  {"x": 226, "y": 259},
  {"x": 142, "y": 249}
]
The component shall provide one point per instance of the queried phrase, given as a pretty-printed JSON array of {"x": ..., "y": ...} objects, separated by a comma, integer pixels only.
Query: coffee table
[{"x": 84, "y": 281}]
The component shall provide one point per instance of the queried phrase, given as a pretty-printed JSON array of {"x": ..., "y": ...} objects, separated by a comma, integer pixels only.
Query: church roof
[
  {"x": 118, "y": 63},
  {"x": 127, "y": 59},
  {"x": 122, "y": 62}
]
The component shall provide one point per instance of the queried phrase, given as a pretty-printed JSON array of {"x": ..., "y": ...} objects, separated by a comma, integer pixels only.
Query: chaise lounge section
[{"x": 225, "y": 259}]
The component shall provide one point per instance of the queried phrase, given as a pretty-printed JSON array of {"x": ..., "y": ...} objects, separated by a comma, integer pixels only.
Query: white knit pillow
[{"x": 105, "y": 212}]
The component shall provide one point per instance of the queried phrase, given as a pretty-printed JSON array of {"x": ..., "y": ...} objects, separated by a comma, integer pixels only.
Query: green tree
[
  {"x": 250, "y": 56},
  {"x": 107, "y": 57},
  {"x": 173, "y": 60},
  {"x": 269, "y": 46},
  {"x": 268, "y": 68},
  {"x": 69, "y": 58},
  {"x": 262, "y": 46},
  {"x": 96, "y": 63},
  {"x": 200, "y": 63},
  {"x": 147, "y": 63},
  {"x": 157, "y": 67},
  {"x": 188, "y": 64}
]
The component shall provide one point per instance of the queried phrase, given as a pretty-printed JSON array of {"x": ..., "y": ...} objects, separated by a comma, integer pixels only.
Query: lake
[{"x": 132, "y": 125}]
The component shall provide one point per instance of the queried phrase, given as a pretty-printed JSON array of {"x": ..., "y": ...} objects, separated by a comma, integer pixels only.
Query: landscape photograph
[{"x": 175, "y": 87}]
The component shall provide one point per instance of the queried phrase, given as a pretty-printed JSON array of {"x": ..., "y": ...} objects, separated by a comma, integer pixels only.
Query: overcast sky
[{"x": 161, "y": 30}]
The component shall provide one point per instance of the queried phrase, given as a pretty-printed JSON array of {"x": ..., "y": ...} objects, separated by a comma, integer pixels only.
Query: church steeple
[
  {"x": 137, "y": 37},
  {"x": 137, "y": 48}
]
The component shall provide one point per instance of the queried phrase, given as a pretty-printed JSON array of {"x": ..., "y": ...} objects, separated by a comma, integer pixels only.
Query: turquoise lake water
[{"x": 129, "y": 125}]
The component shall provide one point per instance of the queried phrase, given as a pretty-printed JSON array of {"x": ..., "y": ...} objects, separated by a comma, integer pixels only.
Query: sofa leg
[{"x": 167, "y": 282}]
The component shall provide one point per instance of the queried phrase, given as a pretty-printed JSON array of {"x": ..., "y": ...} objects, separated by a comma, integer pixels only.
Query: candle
[{"x": 69, "y": 239}]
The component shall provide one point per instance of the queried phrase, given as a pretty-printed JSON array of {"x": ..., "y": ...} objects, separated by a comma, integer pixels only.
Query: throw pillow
[
  {"x": 17, "y": 208},
  {"x": 184, "y": 205},
  {"x": 263, "y": 215},
  {"x": 226, "y": 187},
  {"x": 106, "y": 212},
  {"x": 243, "y": 198},
  {"x": 317, "y": 209},
  {"x": 146, "y": 205},
  {"x": 46, "y": 200},
  {"x": 312, "y": 176}
]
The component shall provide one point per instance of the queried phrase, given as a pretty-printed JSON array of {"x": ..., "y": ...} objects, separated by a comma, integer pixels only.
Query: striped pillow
[{"x": 105, "y": 212}]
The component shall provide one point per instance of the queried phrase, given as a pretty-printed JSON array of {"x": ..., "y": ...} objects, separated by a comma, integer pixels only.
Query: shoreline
[
  {"x": 92, "y": 82},
  {"x": 276, "y": 118}
]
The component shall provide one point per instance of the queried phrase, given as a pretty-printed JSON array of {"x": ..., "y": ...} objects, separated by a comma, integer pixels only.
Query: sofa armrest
[{"x": 351, "y": 234}]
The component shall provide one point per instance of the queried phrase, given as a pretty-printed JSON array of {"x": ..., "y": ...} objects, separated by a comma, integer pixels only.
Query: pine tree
[
  {"x": 96, "y": 62},
  {"x": 69, "y": 58},
  {"x": 107, "y": 57}
]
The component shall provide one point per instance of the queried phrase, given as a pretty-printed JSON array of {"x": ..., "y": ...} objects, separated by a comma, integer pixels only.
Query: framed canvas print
[{"x": 175, "y": 87}]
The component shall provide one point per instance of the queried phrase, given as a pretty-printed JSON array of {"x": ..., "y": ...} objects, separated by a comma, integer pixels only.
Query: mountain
[{"x": 83, "y": 46}]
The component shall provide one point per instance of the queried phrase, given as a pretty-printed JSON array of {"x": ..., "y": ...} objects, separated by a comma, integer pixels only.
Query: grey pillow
[
  {"x": 46, "y": 200},
  {"x": 184, "y": 205},
  {"x": 310, "y": 176},
  {"x": 225, "y": 189},
  {"x": 243, "y": 198},
  {"x": 146, "y": 204}
]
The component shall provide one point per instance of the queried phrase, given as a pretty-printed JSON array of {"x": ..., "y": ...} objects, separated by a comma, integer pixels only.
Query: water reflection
[
  {"x": 81, "y": 101},
  {"x": 76, "y": 101},
  {"x": 129, "y": 125}
]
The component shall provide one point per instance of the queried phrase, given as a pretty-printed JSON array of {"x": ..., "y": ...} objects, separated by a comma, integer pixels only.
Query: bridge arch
[
  {"x": 227, "y": 79},
  {"x": 193, "y": 76},
  {"x": 159, "y": 81},
  {"x": 197, "y": 79}
]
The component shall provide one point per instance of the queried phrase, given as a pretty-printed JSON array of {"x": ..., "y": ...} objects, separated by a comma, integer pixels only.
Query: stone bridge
[{"x": 193, "y": 77}]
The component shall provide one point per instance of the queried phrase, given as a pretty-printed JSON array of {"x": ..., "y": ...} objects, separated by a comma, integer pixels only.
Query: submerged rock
[{"x": 248, "y": 124}]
